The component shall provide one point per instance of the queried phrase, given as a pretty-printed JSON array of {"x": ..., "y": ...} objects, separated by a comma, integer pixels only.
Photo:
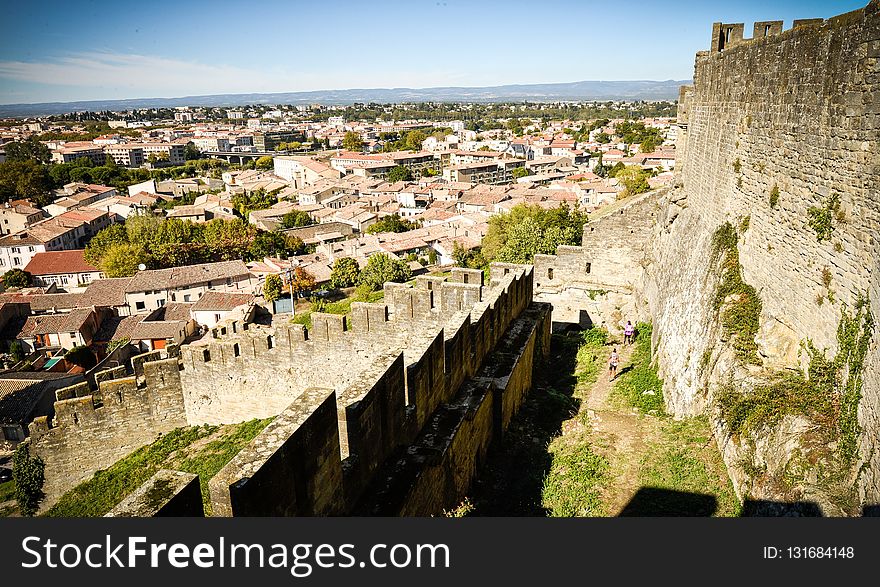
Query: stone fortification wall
[
  {"x": 386, "y": 378},
  {"x": 778, "y": 132},
  {"x": 91, "y": 431}
]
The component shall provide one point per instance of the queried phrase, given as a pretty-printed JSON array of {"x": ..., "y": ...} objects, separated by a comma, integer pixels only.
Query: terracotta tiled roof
[
  {"x": 215, "y": 300},
  {"x": 58, "y": 262},
  {"x": 177, "y": 277}
]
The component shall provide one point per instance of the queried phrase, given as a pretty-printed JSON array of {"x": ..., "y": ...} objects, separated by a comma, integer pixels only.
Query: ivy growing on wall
[
  {"x": 737, "y": 302},
  {"x": 822, "y": 217},
  {"x": 828, "y": 394}
]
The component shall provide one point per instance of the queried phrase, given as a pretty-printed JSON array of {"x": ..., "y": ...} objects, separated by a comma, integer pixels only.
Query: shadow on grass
[
  {"x": 654, "y": 501},
  {"x": 512, "y": 480}
]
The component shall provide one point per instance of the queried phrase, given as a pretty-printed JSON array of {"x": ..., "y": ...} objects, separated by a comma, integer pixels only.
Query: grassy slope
[
  {"x": 534, "y": 472},
  {"x": 684, "y": 458},
  {"x": 340, "y": 307},
  {"x": 179, "y": 449}
]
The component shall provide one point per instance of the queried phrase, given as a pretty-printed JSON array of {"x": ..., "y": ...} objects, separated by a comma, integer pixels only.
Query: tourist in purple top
[{"x": 629, "y": 333}]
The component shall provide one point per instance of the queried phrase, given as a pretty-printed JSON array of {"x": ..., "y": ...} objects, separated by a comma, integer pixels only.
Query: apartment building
[
  {"x": 62, "y": 268},
  {"x": 152, "y": 289},
  {"x": 211, "y": 143},
  {"x": 303, "y": 171},
  {"x": 70, "y": 152},
  {"x": 71, "y": 230},
  {"x": 17, "y": 215},
  {"x": 494, "y": 172}
]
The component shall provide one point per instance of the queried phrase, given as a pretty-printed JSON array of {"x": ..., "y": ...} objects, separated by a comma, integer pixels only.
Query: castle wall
[
  {"x": 84, "y": 438},
  {"x": 395, "y": 374},
  {"x": 594, "y": 284},
  {"x": 799, "y": 110},
  {"x": 440, "y": 465},
  {"x": 795, "y": 110},
  {"x": 291, "y": 468},
  {"x": 256, "y": 374},
  {"x": 165, "y": 494}
]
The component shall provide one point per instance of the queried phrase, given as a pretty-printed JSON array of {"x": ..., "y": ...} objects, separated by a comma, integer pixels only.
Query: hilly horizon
[{"x": 580, "y": 90}]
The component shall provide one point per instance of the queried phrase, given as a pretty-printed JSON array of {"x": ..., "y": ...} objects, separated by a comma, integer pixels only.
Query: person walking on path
[
  {"x": 629, "y": 333},
  {"x": 612, "y": 365}
]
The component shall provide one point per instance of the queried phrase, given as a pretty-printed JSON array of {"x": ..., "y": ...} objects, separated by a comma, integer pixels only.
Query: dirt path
[{"x": 620, "y": 434}]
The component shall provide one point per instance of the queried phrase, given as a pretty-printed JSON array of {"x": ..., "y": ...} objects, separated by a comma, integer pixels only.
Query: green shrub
[
  {"x": 822, "y": 218},
  {"x": 28, "y": 475},
  {"x": 774, "y": 196},
  {"x": 736, "y": 301}
]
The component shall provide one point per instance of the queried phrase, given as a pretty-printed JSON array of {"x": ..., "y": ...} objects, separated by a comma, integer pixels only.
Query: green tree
[
  {"x": 272, "y": 288},
  {"x": 122, "y": 259},
  {"x": 191, "y": 152},
  {"x": 267, "y": 244},
  {"x": 602, "y": 138},
  {"x": 352, "y": 141},
  {"x": 16, "y": 350},
  {"x": 399, "y": 173},
  {"x": 414, "y": 140},
  {"x": 265, "y": 162},
  {"x": 526, "y": 230},
  {"x": 25, "y": 179},
  {"x": 392, "y": 223},
  {"x": 381, "y": 268},
  {"x": 28, "y": 474},
  {"x": 28, "y": 149},
  {"x": 16, "y": 278},
  {"x": 296, "y": 219},
  {"x": 617, "y": 168},
  {"x": 140, "y": 229},
  {"x": 113, "y": 234},
  {"x": 519, "y": 172},
  {"x": 301, "y": 282},
  {"x": 81, "y": 356},
  {"x": 228, "y": 239},
  {"x": 345, "y": 273},
  {"x": 635, "y": 180}
]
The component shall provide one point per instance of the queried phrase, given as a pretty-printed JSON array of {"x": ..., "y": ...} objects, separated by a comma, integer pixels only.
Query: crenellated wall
[
  {"x": 774, "y": 126},
  {"x": 92, "y": 431},
  {"x": 799, "y": 111},
  {"x": 348, "y": 398},
  {"x": 594, "y": 284}
]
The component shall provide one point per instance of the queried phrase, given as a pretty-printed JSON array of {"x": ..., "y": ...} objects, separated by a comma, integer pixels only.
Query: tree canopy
[
  {"x": 16, "y": 278},
  {"x": 399, "y": 173},
  {"x": 296, "y": 219},
  {"x": 345, "y": 273},
  {"x": 634, "y": 179},
  {"x": 381, "y": 268},
  {"x": 272, "y": 288},
  {"x": 352, "y": 141},
  {"x": 28, "y": 149},
  {"x": 118, "y": 250},
  {"x": 392, "y": 223},
  {"x": 527, "y": 230}
]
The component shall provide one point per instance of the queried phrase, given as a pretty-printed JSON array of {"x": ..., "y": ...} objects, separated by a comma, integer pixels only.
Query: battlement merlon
[{"x": 727, "y": 35}]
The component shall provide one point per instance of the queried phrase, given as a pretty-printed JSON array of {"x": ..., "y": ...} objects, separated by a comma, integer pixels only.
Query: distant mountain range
[{"x": 585, "y": 90}]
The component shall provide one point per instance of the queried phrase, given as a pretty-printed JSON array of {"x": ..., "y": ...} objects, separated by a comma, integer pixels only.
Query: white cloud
[{"x": 106, "y": 75}]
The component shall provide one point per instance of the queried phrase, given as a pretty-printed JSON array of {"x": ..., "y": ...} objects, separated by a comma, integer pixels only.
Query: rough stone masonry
[
  {"x": 391, "y": 413},
  {"x": 774, "y": 126}
]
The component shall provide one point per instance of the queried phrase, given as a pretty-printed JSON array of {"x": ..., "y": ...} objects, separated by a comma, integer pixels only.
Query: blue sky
[{"x": 90, "y": 50}]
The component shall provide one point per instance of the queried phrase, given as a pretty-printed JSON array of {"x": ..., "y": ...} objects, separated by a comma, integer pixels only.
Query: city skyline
[{"x": 166, "y": 50}]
